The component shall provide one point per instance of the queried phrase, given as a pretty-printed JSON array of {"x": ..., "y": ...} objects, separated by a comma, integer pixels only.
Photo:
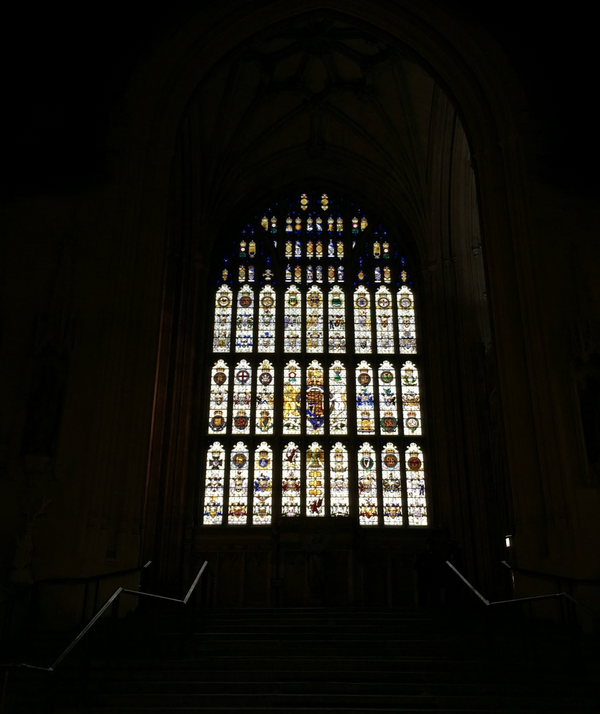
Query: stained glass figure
[
  {"x": 314, "y": 320},
  {"x": 223, "y": 309},
  {"x": 377, "y": 275},
  {"x": 331, "y": 247},
  {"x": 244, "y": 320},
  {"x": 310, "y": 246},
  {"x": 319, "y": 226},
  {"x": 338, "y": 399},
  {"x": 214, "y": 485},
  {"x": 242, "y": 273},
  {"x": 310, "y": 276},
  {"x": 339, "y": 225},
  {"x": 415, "y": 486},
  {"x": 289, "y": 228},
  {"x": 292, "y": 320},
  {"x": 242, "y": 398},
  {"x": 324, "y": 202},
  {"x": 330, "y": 225},
  {"x": 384, "y": 321},
  {"x": 406, "y": 321},
  {"x": 288, "y": 249},
  {"x": 363, "y": 224},
  {"x": 252, "y": 248},
  {"x": 304, "y": 202},
  {"x": 411, "y": 400},
  {"x": 336, "y": 320},
  {"x": 292, "y": 398},
  {"x": 362, "y": 320},
  {"x": 298, "y": 225},
  {"x": 367, "y": 486},
  {"x": 365, "y": 402},
  {"x": 266, "y": 319},
  {"x": 265, "y": 397},
  {"x": 387, "y": 274},
  {"x": 310, "y": 224},
  {"x": 264, "y": 222},
  {"x": 339, "y": 503},
  {"x": 219, "y": 389},
  {"x": 386, "y": 250},
  {"x": 238, "y": 485},
  {"x": 242, "y": 249},
  {"x": 273, "y": 224},
  {"x": 315, "y": 492},
  {"x": 298, "y": 274},
  {"x": 319, "y": 273},
  {"x": 291, "y": 480},
  {"x": 263, "y": 485},
  {"x": 391, "y": 486},
  {"x": 331, "y": 274},
  {"x": 315, "y": 399},
  {"x": 250, "y": 273},
  {"x": 340, "y": 249},
  {"x": 288, "y": 273},
  {"x": 340, "y": 273},
  {"x": 355, "y": 226},
  {"x": 377, "y": 249}
]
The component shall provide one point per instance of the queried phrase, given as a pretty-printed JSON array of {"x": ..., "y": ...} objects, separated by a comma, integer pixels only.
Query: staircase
[{"x": 326, "y": 660}]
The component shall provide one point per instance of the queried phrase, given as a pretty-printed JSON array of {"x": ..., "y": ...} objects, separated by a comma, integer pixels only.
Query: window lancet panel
[{"x": 307, "y": 296}]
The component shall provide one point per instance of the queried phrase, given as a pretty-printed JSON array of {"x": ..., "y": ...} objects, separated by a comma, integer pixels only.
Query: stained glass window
[{"x": 310, "y": 405}]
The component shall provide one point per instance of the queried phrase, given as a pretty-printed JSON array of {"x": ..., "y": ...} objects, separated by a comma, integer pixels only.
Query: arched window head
[{"x": 314, "y": 394}]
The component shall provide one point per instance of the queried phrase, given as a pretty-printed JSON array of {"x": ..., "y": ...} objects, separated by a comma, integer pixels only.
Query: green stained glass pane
[
  {"x": 214, "y": 485},
  {"x": 411, "y": 400},
  {"x": 266, "y": 319}
]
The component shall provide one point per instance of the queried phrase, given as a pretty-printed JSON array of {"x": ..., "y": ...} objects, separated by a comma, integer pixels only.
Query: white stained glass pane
[
  {"x": 362, "y": 320},
  {"x": 338, "y": 400},
  {"x": 263, "y": 485},
  {"x": 336, "y": 320},
  {"x": 365, "y": 402},
  {"x": 238, "y": 485},
  {"x": 265, "y": 397},
  {"x": 339, "y": 504},
  {"x": 388, "y": 406},
  {"x": 384, "y": 321},
  {"x": 244, "y": 320},
  {"x": 411, "y": 400},
  {"x": 406, "y": 321},
  {"x": 292, "y": 398},
  {"x": 291, "y": 481},
  {"x": 415, "y": 487},
  {"x": 242, "y": 398},
  {"x": 223, "y": 311},
  {"x": 214, "y": 485},
  {"x": 314, "y": 320},
  {"x": 266, "y": 319},
  {"x": 367, "y": 486},
  {"x": 315, "y": 399},
  {"x": 391, "y": 484},
  {"x": 219, "y": 389},
  {"x": 292, "y": 321},
  {"x": 315, "y": 494}
]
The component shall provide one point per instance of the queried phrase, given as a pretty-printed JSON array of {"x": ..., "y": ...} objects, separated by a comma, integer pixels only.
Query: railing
[
  {"x": 112, "y": 604},
  {"x": 569, "y": 618}
]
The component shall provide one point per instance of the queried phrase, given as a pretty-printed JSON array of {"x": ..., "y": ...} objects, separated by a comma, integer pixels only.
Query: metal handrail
[{"x": 111, "y": 602}]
